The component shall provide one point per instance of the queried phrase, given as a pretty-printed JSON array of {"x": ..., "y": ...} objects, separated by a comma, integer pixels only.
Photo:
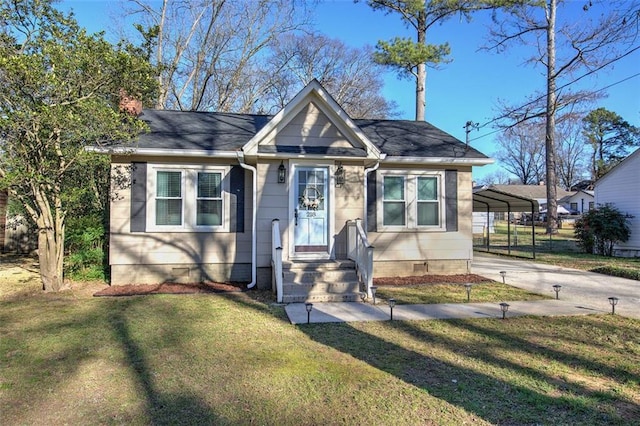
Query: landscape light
[
  {"x": 613, "y": 301},
  {"x": 503, "y": 274},
  {"x": 556, "y": 288},
  {"x": 392, "y": 303},
  {"x": 309, "y": 307},
  {"x": 504, "y": 307},
  {"x": 467, "y": 287}
]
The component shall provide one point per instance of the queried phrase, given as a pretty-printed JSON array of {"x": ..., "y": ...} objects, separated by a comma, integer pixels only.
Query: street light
[
  {"x": 503, "y": 274},
  {"x": 309, "y": 307},
  {"x": 504, "y": 307},
  {"x": 373, "y": 293},
  {"x": 392, "y": 303},
  {"x": 613, "y": 301},
  {"x": 467, "y": 287},
  {"x": 556, "y": 288}
]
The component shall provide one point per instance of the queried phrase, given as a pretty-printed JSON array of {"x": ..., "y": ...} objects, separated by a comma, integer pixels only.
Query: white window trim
[
  {"x": 189, "y": 198},
  {"x": 411, "y": 200}
]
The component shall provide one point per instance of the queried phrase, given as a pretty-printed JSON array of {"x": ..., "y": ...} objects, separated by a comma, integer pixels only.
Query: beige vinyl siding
[
  {"x": 414, "y": 247},
  {"x": 151, "y": 252},
  {"x": 310, "y": 127},
  {"x": 349, "y": 205},
  {"x": 273, "y": 200}
]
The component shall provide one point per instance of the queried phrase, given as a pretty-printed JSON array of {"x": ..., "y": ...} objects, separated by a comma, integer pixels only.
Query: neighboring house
[
  {"x": 532, "y": 192},
  {"x": 201, "y": 192},
  {"x": 620, "y": 187},
  {"x": 579, "y": 202}
]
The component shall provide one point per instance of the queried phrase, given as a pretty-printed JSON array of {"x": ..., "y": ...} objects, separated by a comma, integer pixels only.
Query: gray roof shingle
[{"x": 229, "y": 132}]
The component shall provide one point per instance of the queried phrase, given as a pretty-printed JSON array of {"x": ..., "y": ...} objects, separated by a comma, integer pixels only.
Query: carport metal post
[{"x": 533, "y": 231}]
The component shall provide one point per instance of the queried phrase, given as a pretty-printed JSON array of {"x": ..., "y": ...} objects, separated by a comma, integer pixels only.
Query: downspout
[
  {"x": 365, "y": 220},
  {"x": 254, "y": 215}
]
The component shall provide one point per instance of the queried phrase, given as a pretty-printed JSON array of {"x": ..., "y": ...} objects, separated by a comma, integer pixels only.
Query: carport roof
[{"x": 493, "y": 200}]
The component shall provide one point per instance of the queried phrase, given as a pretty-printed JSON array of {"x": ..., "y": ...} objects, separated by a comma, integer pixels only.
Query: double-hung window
[
  {"x": 411, "y": 200},
  {"x": 168, "y": 198},
  {"x": 393, "y": 201},
  {"x": 209, "y": 199},
  {"x": 428, "y": 201},
  {"x": 187, "y": 198}
]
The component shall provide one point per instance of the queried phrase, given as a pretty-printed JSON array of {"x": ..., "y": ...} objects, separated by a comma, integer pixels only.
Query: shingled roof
[{"x": 210, "y": 131}]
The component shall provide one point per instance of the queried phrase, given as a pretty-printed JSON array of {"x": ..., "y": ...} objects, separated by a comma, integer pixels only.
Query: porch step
[{"x": 320, "y": 281}]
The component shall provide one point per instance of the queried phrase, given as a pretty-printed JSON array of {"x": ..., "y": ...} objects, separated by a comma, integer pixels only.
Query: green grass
[
  {"x": 560, "y": 250},
  {"x": 454, "y": 293},
  {"x": 70, "y": 358}
]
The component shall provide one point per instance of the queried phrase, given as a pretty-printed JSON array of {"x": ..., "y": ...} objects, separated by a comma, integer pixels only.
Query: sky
[{"x": 467, "y": 89}]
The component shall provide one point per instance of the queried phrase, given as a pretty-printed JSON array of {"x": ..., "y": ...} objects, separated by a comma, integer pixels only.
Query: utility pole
[{"x": 467, "y": 129}]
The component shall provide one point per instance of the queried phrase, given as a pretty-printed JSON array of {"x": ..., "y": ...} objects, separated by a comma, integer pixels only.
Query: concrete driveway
[{"x": 588, "y": 289}]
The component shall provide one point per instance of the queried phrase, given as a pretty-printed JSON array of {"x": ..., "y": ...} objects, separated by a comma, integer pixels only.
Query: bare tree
[
  {"x": 499, "y": 177},
  {"x": 522, "y": 151},
  {"x": 571, "y": 164},
  {"x": 208, "y": 50},
  {"x": 347, "y": 73},
  {"x": 585, "y": 43}
]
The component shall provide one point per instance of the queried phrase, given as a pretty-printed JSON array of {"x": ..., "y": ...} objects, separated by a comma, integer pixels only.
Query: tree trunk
[
  {"x": 552, "y": 204},
  {"x": 51, "y": 228},
  {"x": 50, "y": 254},
  {"x": 421, "y": 75}
]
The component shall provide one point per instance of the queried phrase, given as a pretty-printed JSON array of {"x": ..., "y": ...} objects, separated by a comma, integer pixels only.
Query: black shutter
[
  {"x": 138, "y": 221},
  {"x": 236, "y": 211},
  {"x": 451, "y": 199},
  {"x": 372, "y": 192}
]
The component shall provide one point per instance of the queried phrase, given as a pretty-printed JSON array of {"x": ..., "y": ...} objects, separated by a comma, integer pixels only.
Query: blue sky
[{"x": 468, "y": 88}]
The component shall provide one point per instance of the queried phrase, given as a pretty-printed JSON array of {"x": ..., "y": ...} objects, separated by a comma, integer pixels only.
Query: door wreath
[{"x": 311, "y": 203}]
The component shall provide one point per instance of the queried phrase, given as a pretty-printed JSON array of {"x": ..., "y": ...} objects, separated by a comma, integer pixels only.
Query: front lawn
[{"x": 70, "y": 358}]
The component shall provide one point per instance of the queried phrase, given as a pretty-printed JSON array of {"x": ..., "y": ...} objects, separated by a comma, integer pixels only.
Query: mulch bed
[
  {"x": 432, "y": 279},
  {"x": 211, "y": 287},
  {"x": 171, "y": 288}
]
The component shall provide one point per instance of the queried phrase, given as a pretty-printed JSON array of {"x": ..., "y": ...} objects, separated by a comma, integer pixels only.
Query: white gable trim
[{"x": 314, "y": 92}]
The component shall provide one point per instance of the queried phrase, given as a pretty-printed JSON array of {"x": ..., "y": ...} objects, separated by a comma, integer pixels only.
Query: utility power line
[{"x": 541, "y": 97}]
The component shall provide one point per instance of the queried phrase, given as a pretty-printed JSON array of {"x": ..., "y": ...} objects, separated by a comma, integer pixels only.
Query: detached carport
[{"x": 489, "y": 200}]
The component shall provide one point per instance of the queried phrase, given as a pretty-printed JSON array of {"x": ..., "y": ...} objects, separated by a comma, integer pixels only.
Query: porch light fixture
[
  {"x": 467, "y": 287},
  {"x": 339, "y": 174},
  {"x": 282, "y": 173},
  {"x": 613, "y": 301},
  {"x": 503, "y": 274},
  {"x": 504, "y": 307},
  {"x": 308, "y": 307},
  {"x": 556, "y": 288},
  {"x": 392, "y": 303},
  {"x": 373, "y": 293}
]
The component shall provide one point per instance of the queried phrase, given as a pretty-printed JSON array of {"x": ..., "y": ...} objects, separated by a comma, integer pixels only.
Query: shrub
[
  {"x": 84, "y": 243},
  {"x": 600, "y": 229}
]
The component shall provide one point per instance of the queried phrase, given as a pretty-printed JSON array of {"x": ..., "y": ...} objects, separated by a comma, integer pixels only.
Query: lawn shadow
[
  {"x": 472, "y": 378},
  {"x": 162, "y": 408}
]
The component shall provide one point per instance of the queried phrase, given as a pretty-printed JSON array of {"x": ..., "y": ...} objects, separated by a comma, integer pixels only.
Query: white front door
[{"x": 311, "y": 210}]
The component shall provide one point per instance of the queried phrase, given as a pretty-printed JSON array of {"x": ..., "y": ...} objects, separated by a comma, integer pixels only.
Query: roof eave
[
  {"x": 160, "y": 152},
  {"x": 438, "y": 160}
]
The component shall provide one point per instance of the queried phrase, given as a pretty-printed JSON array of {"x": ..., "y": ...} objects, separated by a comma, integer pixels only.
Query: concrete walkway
[{"x": 581, "y": 293}]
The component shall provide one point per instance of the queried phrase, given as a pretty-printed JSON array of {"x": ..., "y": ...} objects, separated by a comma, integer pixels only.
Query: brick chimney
[{"x": 130, "y": 104}]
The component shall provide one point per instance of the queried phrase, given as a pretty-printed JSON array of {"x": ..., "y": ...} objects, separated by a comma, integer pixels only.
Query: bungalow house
[
  {"x": 619, "y": 187},
  {"x": 579, "y": 202},
  {"x": 221, "y": 196}
]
